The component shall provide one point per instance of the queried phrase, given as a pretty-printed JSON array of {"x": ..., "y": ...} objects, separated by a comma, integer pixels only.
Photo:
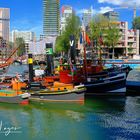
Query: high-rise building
[
  {"x": 112, "y": 15},
  {"x": 87, "y": 16},
  {"x": 26, "y": 35},
  {"x": 51, "y": 17},
  {"x": 4, "y": 23},
  {"x": 66, "y": 13}
]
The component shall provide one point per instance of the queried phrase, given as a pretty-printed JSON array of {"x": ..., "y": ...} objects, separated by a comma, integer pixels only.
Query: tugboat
[
  {"x": 96, "y": 84},
  {"x": 47, "y": 89},
  {"x": 12, "y": 93},
  {"x": 58, "y": 92}
]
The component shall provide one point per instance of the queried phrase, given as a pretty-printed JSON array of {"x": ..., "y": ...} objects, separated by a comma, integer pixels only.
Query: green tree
[
  {"x": 112, "y": 36},
  {"x": 97, "y": 27},
  {"x": 21, "y": 46},
  {"x": 136, "y": 23},
  {"x": 97, "y": 30},
  {"x": 59, "y": 45},
  {"x": 101, "y": 28},
  {"x": 72, "y": 28},
  {"x": 10, "y": 45}
]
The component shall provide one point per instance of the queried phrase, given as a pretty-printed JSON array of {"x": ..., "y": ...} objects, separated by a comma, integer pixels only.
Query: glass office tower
[{"x": 51, "y": 16}]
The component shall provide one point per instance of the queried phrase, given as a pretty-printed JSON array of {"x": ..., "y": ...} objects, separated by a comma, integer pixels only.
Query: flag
[
  {"x": 81, "y": 38},
  {"x": 87, "y": 39}
]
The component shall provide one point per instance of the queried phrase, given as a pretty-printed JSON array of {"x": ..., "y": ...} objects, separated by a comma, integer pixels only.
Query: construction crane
[{"x": 134, "y": 7}]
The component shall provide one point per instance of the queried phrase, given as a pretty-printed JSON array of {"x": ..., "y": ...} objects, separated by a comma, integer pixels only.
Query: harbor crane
[{"x": 134, "y": 7}]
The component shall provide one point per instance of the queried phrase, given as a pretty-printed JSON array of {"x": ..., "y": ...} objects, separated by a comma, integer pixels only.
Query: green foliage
[
  {"x": 130, "y": 50},
  {"x": 60, "y": 44},
  {"x": 97, "y": 27},
  {"x": 11, "y": 45},
  {"x": 136, "y": 23},
  {"x": 72, "y": 28},
  {"x": 100, "y": 25},
  {"x": 21, "y": 46},
  {"x": 113, "y": 36}
]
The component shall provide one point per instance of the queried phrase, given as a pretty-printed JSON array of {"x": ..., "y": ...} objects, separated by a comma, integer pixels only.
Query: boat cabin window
[{"x": 68, "y": 67}]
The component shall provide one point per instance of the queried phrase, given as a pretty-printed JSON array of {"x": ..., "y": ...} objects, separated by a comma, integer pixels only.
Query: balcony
[
  {"x": 131, "y": 40},
  {"x": 120, "y": 46}
]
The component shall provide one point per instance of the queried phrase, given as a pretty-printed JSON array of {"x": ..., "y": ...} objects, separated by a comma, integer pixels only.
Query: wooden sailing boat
[{"x": 9, "y": 60}]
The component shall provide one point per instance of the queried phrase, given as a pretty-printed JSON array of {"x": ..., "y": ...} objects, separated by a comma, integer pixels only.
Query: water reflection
[
  {"x": 98, "y": 118},
  {"x": 105, "y": 104},
  {"x": 120, "y": 117}
]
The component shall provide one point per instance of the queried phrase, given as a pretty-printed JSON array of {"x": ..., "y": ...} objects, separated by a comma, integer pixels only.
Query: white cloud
[
  {"x": 115, "y": 2},
  {"x": 81, "y": 11},
  {"x": 95, "y": 11},
  {"x": 105, "y": 9},
  {"x": 129, "y": 3}
]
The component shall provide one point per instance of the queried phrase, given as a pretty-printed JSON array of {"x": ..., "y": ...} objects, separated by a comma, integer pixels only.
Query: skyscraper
[
  {"x": 87, "y": 16},
  {"x": 51, "y": 17},
  {"x": 4, "y": 23}
]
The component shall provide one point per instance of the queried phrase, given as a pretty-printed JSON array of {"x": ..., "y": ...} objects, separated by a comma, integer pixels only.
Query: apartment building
[
  {"x": 4, "y": 23},
  {"x": 66, "y": 13},
  {"x": 26, "y": 35},
  {"x": 128, "y": 44},
  {"x": 37, "y": 48}
]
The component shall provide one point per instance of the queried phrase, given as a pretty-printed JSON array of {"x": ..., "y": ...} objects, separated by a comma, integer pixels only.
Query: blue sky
[{"x": 27, "y": 14}]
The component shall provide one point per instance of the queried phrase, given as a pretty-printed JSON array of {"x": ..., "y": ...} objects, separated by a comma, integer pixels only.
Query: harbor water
[{"x": 95, "y": 119}]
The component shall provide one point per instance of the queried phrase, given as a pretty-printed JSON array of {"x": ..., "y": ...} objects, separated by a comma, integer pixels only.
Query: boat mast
[{"x": 85, "y": 58}]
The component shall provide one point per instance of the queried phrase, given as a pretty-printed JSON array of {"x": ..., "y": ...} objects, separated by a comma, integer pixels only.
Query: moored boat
[
  {"x": 10, "y": 92},
  {"x": 59, "y": 92},
  {"x": 101, "y": 83},
  {"x": 12, "y": 96},
  {"x": 105, "y": 86}
]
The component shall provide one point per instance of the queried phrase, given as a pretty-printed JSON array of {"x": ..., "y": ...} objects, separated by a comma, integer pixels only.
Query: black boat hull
[
  {"x": 106, "y": 85},
  {"x": 132, "y": 89}
]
